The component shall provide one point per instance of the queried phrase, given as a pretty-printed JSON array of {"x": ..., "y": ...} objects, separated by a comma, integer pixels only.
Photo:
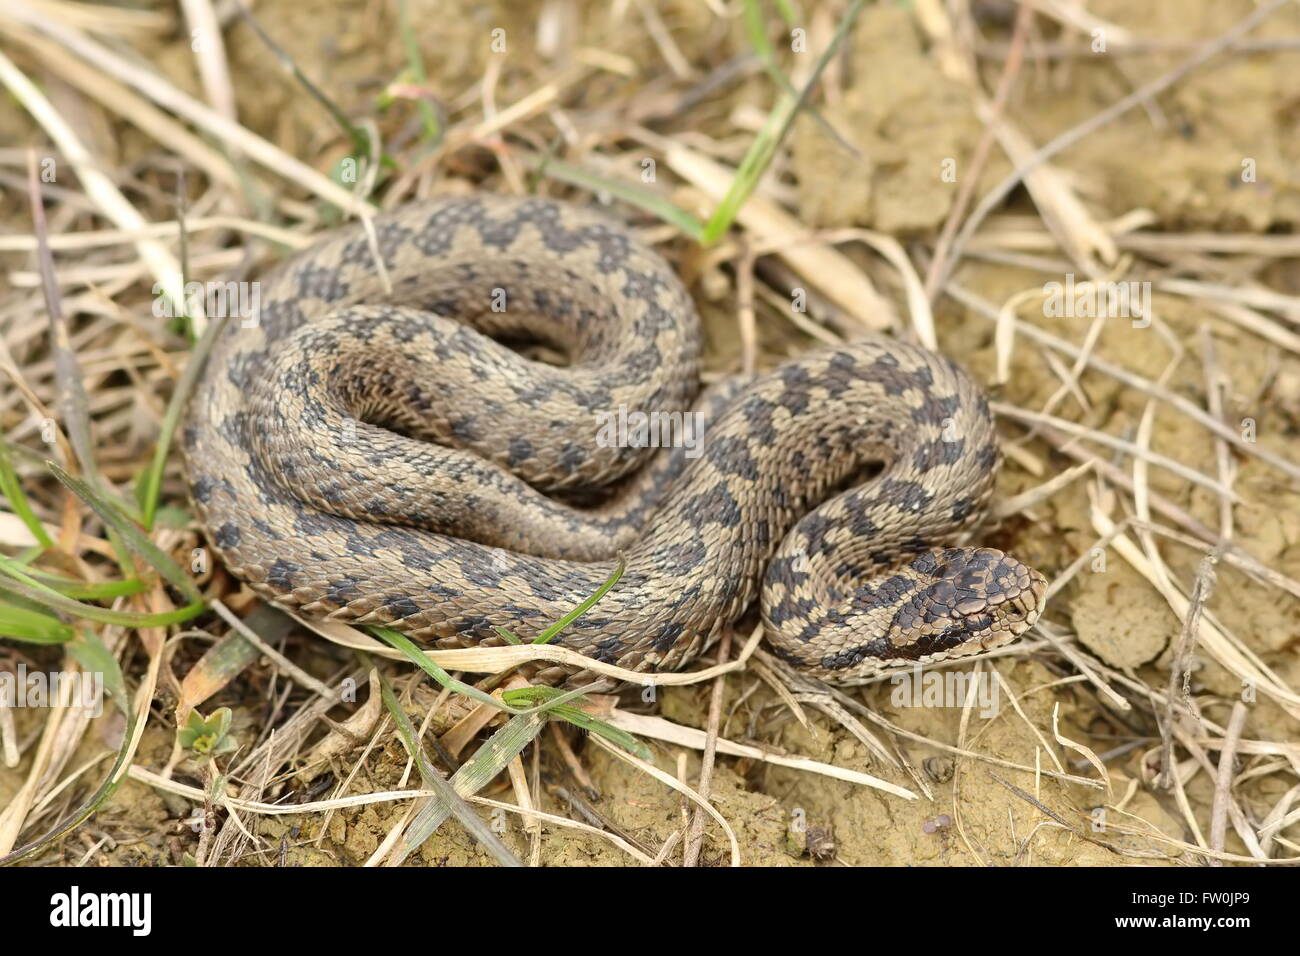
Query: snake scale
[{"x": 381, "y": 447}]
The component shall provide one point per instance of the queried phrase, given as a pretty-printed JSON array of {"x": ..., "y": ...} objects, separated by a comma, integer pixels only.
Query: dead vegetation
[{"x": 934, "y": 174}]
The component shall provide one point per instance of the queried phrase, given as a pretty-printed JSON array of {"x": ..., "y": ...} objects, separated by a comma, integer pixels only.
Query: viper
[{"x": 410, "y": 434}]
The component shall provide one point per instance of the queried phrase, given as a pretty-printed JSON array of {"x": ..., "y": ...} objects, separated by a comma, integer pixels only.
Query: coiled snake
[{"x": 382, "y": 454}]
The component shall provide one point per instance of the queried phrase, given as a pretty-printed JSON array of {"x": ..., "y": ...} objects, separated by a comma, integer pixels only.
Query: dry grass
[{"x": 95, "y": 385}]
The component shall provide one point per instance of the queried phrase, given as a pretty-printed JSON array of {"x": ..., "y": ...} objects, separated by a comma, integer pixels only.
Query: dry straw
[{"x": 110, "y": 233}]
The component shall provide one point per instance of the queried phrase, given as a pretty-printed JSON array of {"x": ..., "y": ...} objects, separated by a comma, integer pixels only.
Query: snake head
[{"x": 967, "y": 600}]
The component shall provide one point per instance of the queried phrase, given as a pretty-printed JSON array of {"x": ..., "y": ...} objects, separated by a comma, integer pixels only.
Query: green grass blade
[
  {"x": 751, "y": 169},
  {"x": 132, "y": 536},
  {"x": 595, "y": 725},
  {"x": 21, "y": 584},
  {"x": 787, "y": 11},
  {"x": 102, "y": 591},
  {"x": 33, "y": 627},
  {"x": 645, "y": 199},
  {"x": 475, "y": 774},
  {"x": 12, "y": 489},
  {"x": 757, "y": 30},
  {"x": 449, "y": 800},
  {"x": 149, "y": 490},
  {"x": 555, "y": 704},
  {"x": 507, "y": 635},
  {"x": 422, "y": 661},
  {"x": 774, "y": 131},
  {"x": 92, "y": 804},
  {"x": 95, "y": 658},
  {"x": 361, "y": 144},
  {"x": 541, "y": 699},
  {"x": 554, "y": 630},
  {"x": 415, "y": 63}
]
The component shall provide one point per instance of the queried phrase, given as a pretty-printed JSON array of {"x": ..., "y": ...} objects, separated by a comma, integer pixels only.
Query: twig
[
  {"x": 1182, "y": 664},
  {"x": 1067, "y": 139},
  {"x": 970, "y": 179},
  {"x": 1223, "y": 780},
  {"x": 695, "y": 839}
]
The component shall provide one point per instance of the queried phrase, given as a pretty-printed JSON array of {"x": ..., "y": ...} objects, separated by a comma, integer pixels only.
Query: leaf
[
  {"x": 474, "y": 774},
  {"x": 773, "y": 133},
  {"x": 100, "y": 591},
  {"x": 33, "y": 627},
  {"x": 449, "y": 800},
  {"x": 206, "y": 735},
  {"x": 25, "y": 586},
  {"x": 628, "y": 192},
  {"x": 132, "y": 535},
  {"x": 220, "y": 664},
  {"x": 554, "y": 630},
  {"x": 555, "y": 704},
  {"x": 12, "y": 489},
  {"x": 95, "y": 658},
  {"x": 422, "y": 661}
]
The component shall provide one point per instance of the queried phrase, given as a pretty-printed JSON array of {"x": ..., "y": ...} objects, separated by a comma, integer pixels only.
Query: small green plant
[
  {"x": 530, "y": 710},
  {"x": 207, "y": 736}
]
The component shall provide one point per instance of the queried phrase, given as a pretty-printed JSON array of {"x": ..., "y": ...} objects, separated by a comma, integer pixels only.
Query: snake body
[{"x": 378, "y": 448}]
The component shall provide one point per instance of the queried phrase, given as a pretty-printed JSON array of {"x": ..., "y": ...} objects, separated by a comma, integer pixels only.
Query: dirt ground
[{"x": 998, "y": 792}]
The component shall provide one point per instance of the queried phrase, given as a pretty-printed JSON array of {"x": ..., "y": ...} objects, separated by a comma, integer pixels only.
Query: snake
[{"x": 472, "y": 412}]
